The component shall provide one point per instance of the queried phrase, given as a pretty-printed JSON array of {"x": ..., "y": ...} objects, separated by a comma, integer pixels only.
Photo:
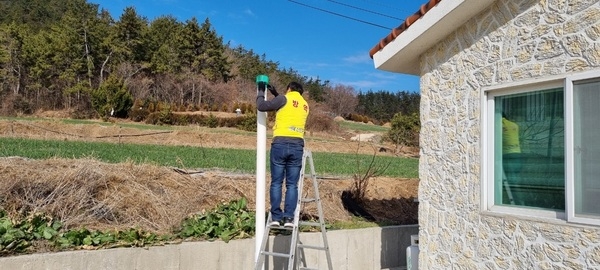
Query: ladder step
[
  {"x": 276, "y": 254},
  {"x": 312, "y": 247},
  {"x": 279, "y": 227}
]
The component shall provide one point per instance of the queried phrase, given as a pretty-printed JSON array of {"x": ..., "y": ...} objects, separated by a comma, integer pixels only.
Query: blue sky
[{"x": 329, "y": 39}]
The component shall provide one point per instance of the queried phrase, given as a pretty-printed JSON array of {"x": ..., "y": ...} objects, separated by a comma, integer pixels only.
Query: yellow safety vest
[
  {"x": 291, "y": 118},
  {"x": 510, "y": 137}
]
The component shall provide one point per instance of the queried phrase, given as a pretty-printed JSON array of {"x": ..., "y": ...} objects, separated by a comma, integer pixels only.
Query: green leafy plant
[
  {"x": 227, "y": 221},
  {"x": 17, "y": 236}
]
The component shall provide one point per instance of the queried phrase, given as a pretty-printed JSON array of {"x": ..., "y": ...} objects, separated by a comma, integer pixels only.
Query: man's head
[{"x": 294, "y": 86}]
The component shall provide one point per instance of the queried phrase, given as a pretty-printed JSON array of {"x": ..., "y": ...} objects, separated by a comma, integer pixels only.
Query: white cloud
[
  {"x": 358, "y": 58},
  {"x": 249, "y": 12}
]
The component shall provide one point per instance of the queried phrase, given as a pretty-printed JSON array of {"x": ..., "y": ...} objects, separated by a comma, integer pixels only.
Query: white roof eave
[{"x": 402, "y": 54}]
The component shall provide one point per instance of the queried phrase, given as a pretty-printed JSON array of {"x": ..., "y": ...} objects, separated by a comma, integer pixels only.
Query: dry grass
[{"x": 97, "y": 195}]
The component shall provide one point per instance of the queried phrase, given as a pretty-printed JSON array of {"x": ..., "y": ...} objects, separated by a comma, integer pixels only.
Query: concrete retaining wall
[{"x": 360, "y": 249}]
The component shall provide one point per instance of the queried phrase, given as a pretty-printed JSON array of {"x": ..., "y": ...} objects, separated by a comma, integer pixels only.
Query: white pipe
[{"x": 261, "y": 167}]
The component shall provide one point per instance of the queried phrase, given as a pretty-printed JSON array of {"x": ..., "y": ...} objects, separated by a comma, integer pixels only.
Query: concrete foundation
[{"x": 360, "y": 249}]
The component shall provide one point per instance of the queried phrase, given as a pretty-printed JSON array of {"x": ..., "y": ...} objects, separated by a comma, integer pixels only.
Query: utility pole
[{"x": 261, "y": 167}]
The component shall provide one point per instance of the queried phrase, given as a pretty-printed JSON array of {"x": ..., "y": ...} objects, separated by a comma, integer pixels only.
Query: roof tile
[{"x": 405, "y": 25}]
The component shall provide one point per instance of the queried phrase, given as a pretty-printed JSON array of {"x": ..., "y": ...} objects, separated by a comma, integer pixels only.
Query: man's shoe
[
  {"x": 288, "y": 222},
  {"x": 275, "y": 223}
]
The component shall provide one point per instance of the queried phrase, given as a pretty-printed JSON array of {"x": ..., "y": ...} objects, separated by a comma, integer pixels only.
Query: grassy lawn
[
  {"x": 362, "y": 127},
  {"x": 187, "y": 157}
]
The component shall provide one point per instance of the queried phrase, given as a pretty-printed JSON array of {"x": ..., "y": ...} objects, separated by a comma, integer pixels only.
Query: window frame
[
  {"x": 488, "y": 94},
  {"x": 570, "y": 145},
  {"x": 487, "y": 146}
]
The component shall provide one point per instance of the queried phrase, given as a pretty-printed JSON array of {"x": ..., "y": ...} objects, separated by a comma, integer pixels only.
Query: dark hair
[{"x": 294, "y": 86}]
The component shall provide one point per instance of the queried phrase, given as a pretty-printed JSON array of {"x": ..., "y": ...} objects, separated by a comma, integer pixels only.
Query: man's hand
[
  {"x": 272, "y": 90},
  {"x": 262, "y": 86}
]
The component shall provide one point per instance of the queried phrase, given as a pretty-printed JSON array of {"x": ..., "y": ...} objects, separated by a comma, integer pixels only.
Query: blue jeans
[{"x": 286, "y": 162}]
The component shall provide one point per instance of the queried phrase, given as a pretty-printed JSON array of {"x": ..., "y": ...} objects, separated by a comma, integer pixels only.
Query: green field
[
  {"x": 188, "y": 157},
  {"x": 362, "y": 127}
]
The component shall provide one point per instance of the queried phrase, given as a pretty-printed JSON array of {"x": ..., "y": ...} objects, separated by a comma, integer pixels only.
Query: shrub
[
  {"x": 152, "y": 119},
  {"x": 357, "y": 118},
  {"x": 151, "y": 107},
  {"x": 22, "y": 105},
  {"x": 227, "y": 122},
  {"x": 243, "y": 107},
  {"x": 197, "y": 119},
  {"x": 112, "y": 98},
  {"x": 164, "y": 117},
  {"x": 136, "y": 114},
  {"x": 248, "y": 122},
  {"x": 321, "y": 122},
  {"x": 212, "y": 121},
  {"x": 405, "y": 129},
  {"x": 82, "y": 113},
  {"x": 181, "y": 119},
  {"x": 14, "y": 104}
]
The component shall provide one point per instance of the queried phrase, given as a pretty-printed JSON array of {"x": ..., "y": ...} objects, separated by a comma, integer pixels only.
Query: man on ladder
[
  {"x": 287, "y": 160},
  {"x": 287, "y": 147},
  {"x": 295, "y": 246}
]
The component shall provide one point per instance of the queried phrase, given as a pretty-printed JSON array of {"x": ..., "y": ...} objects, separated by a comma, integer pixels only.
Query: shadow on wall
[
  {"x": 281, "y": 244},
  {"x": 396, "y": 211}
]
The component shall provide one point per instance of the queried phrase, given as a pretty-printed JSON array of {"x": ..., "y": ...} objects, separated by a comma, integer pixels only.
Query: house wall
[{"x": 512, "y": 41}]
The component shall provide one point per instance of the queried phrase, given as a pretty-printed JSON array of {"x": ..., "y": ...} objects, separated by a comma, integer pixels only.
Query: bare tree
[
  {"x": 342, "y": 99},
  {"x": 363, "y": 175}
]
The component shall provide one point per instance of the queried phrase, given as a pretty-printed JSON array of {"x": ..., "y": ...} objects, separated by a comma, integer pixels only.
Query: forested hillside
[{"x": 71, "y": 55}]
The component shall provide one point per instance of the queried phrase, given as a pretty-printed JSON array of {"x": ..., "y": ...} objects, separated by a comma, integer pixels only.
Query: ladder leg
[
  {"x": 295, "y": 230},
  {"x": 260, "y": 262},
  {"x": 313, "y": 176},
  {"x": 295, "y": 245}
]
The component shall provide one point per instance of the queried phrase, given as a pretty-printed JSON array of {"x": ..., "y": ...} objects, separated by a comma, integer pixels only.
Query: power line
[
  {"x": 341, "y": 15},
  {"x": 366, "y": 10},
  {"x": 387, "y": 6}
]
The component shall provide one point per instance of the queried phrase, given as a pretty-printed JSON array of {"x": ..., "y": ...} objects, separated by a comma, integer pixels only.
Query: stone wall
[{"x": 511, "y": 41}]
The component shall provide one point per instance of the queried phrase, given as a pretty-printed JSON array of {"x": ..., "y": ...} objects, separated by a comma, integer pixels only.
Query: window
[
  {"x": 584, "y": 139},
  {"x": 529, "y": 150},
  {"x": 541, "y": 149}
]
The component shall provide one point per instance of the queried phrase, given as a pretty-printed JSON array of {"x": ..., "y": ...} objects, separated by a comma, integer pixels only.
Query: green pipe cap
[{"x": 262, "y": 78}]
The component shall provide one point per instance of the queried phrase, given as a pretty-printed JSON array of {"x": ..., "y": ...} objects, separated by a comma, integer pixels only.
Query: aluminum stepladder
[{"x": 295, "y": 247}]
